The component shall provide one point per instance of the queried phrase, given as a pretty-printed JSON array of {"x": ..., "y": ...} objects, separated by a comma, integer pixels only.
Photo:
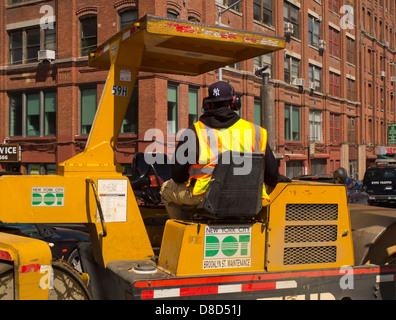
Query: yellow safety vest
[{"x": 242, "y": 136}]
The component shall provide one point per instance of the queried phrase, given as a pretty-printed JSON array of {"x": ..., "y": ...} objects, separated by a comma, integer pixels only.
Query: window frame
[
  {"x": 192, "y": 90},
  {"x": 290, "y": 59},
  {"x": 351, "y": 50},
  {"x": 86, "y": 131},
  {"x": 123, "y": 12},
  {"x": 175, "y": 126},
  {"x": 334, "y": 129},
  {"x": 333, "y": 85},
  {"x": 334, "y": 5},
  {"x": 22, "y": 122},
  {"x": 44, "y": 44},
  {"x": 296, "y": 25},
  {"x": 352, "y": 130},
  {"x": 289, "y": 123},
  {"x": 351, "y": 89},
  {"x": 312, "y": 21},
  {"x": 315, "y": 127},
  {"x": 258, "y": 62},
  {"x": 132, "y": 112},
  {"x": 315, "y": 70},
  {"x": 86, "y": 50},
  {"x": 263, "y": 8},
  {"x": 333, "y": 44}
]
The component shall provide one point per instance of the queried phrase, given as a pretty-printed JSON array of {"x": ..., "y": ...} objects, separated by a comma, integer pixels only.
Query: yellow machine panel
[
  {"x": 196, "y": 249},
  {"x": 309, "y": 227}
]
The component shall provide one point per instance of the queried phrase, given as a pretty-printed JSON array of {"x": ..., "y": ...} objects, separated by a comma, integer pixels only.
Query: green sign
[
  {"x": 392, "y": 133},
  {"x": 48, "y": 196},
  {"x": 227, "y": 246}
]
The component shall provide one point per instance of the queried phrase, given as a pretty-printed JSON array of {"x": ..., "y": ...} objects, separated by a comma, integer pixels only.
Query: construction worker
[{"x": 219, "y": 129}]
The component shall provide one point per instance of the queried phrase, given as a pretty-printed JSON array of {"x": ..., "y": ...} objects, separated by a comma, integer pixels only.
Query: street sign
[
  {"x": 9, "y": 153},
  {"x": 392, "y": 133}
]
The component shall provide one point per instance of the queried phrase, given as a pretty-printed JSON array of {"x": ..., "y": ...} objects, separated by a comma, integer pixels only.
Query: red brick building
[{"x": 333, "y": 85}]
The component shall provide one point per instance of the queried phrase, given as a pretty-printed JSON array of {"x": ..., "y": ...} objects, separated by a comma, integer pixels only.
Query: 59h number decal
[{"x": 119, "y": 91}]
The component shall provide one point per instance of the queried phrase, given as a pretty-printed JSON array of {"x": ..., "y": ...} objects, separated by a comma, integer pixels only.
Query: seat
[
  {"x": 146, "y": 179},
  {"x": 235, "y": 190}
]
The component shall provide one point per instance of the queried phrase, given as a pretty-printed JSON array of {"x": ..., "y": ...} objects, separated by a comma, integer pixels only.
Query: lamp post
[
  {"x": 267, "y": 106},
  {"x": 220, "y": 13}
]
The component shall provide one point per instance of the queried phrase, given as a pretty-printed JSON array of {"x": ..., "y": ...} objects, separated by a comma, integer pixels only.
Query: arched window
[
  {"x": 88, "y": 34},
  {"x": 126, "y": 17}
]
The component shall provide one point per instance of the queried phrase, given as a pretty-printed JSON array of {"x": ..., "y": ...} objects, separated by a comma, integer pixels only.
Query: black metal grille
[
  {"x": 310, "y": 233},
  {"x": 308, "y": 255},
  {"x": 311, "y": 212}
]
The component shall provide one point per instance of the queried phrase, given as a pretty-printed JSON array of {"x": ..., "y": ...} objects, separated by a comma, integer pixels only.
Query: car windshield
[
  {"x": 381, "y": 173},
  {"x": 28, "y": 229}
]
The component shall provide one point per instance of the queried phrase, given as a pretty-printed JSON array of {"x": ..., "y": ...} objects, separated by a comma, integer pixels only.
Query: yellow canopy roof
[{"x": 181, "y": 47}]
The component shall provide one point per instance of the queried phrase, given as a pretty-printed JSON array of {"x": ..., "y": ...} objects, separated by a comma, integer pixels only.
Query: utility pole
[
  {"x": 220, "y": 13},
  {"x": 267, "y": 106}
]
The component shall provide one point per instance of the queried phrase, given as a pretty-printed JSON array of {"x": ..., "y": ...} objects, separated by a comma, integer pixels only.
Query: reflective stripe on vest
[{"x": 242, "y": 136}]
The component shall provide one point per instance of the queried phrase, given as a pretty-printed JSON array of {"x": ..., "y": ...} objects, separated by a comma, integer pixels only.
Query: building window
[
  {"x": 334, "y": 127},
  {"x": 24, "y": 44},
  {"x": 313, "y": 31},
  {"x": 351, "y": 130},
  {"x": 334, "y": 5},
  {"x": 16, "y": 115},
  {"x": 294, "y": 168},
  {"x": 193, "y": 110},
  {"x": 292, "y": 123},
  {"x": 334, "y": 42},
  {"x": 315, "y": 125},
  {"x": 262, "y": 61},
  {"x": 170, "y": 13},
  {"x": 291, "y": 69},
  {"x": 350, "y": 50},
  {"x": 89, "y": 33},
  {"x": 351, "y": 89},
  {"x": 315, "y": 75},
  {"x": 262, "y": 11},
  {"x": 334, "y": 84},
  {"x": 228, "y": 3},
  {"x": 32, "y": 114},
  {"x": 236, "y": 65},
  {"x": 88, "y": 104},
  {"x": 173, "y": 109},
  {"x": 291, "y": 15},
  {"x": 257, "y": 111},
  {"x": 32, "y": 44},
  {"x": 130, "y": 123},
  {"x": 49, "y": 113},
  {"x": 41, "y": 168},
  {"x": 318, "y": 166},
  {"x": 126, "y": 17}
]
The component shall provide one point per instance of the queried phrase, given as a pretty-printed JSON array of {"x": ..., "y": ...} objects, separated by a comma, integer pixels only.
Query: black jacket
[{"x": 221, "y": 118}]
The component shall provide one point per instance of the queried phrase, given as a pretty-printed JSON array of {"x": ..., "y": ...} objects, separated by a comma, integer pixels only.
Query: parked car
[
  {"x": 355, "y": 189},
  {"x": 63, "y": 241},
  {"x": 380, "y": 184}
]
